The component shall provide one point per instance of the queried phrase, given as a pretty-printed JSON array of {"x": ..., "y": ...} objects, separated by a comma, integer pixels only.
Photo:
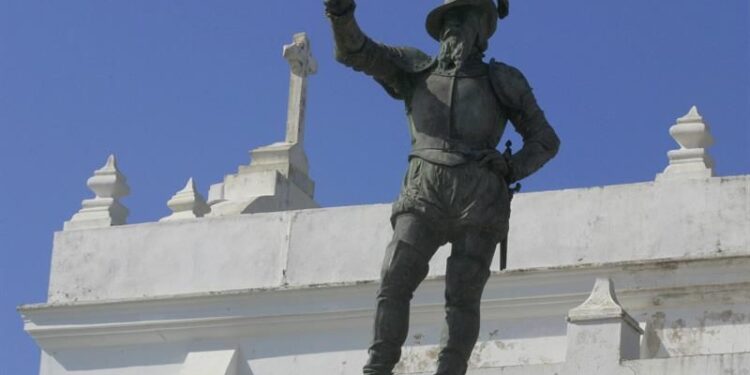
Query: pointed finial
[
  {"x": 602, "y": 303},
  {"x": 691, "y": 160},
  {"x": 108, "y": 182},
  {"x": 692, "y": 116},
  {"x": 691, "y": 132},
  {"x": 600, "y": 326},
  {"x": 111, "y": 164},
  {"x": 187, "y": 204},
  {"x": 190, "y": 185},
  {"x": 105, "y": 209}
]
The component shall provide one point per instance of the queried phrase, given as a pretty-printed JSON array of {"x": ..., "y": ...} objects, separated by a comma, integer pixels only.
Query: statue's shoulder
[
  {"x": 509, "y": 84},
  {"x": 508, "y": 75},
  {"x": 410, "y": 59}
]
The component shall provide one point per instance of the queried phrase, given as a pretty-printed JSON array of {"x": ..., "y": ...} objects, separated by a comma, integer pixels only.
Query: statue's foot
[{"x": 451, "y": 365}]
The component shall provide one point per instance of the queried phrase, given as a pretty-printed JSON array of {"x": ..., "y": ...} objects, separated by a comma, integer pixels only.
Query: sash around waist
[{"x": 451, "y": 157}]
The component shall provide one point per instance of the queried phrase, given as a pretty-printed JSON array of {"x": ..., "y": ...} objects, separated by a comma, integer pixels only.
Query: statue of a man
[{"x": 456, "y": 188}]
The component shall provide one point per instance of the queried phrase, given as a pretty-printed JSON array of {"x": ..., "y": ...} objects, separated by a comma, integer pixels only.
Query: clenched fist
[{"x": 338, "y": 7}]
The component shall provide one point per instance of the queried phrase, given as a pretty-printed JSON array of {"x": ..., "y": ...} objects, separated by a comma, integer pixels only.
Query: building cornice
[{"x": 546, "y": 292}]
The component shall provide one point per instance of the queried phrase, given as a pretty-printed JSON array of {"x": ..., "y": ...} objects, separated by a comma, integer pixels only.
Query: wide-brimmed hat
[{"x": 490, "y": 11}]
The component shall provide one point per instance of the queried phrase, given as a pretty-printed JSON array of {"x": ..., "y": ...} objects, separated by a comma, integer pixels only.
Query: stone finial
[
  {"x": 601, "y": 304},
  {"x": 600, "y": 333},
  {"x": 187, "y": 204},
  {"x": 105, "y": 209},
  {"x": 692, "y": 160}
]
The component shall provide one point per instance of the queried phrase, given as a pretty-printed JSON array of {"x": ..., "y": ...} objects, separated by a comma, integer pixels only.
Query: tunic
[{"x": 454, "y": 119}]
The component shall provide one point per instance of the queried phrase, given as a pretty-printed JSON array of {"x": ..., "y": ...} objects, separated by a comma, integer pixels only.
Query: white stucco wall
[
  {"x": 670, "y": 219},
  {"x": 284, "y": 293}
]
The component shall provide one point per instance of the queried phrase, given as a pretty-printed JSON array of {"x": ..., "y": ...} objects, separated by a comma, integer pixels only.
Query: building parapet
[{"x": 638, "y": 222}]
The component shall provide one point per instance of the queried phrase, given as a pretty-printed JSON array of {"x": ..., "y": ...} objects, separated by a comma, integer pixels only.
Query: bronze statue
[{"x": 457, "y": 186}]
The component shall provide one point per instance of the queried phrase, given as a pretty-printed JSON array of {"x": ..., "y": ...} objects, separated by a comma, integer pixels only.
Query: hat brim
[{"x": 434, "y": 22}]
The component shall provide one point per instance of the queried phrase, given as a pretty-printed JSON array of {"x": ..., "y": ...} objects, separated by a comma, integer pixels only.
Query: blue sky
[{"x": 186, "y": 88}]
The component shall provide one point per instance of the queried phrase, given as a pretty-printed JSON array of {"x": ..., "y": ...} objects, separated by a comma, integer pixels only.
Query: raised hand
[{"x": 338, "y": 7}]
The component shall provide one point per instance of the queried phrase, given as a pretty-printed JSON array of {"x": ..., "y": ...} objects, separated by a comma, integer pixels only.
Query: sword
[{"x": 512, "y": 190}]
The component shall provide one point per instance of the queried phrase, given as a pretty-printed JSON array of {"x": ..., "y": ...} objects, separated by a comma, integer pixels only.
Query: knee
[
  {"x": 403, "y": 270},
  {"x": 465, "y": 279}
]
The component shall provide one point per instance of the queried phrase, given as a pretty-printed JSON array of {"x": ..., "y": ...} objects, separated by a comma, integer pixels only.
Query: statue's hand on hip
[
  {"x": 338, "y": 7},
  {"x": 497, "y": 163}
]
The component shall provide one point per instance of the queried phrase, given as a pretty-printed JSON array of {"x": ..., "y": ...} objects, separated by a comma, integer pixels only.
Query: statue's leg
[
  {"x": 466, "y": 275},
  {"x": 404, "y": 267}
]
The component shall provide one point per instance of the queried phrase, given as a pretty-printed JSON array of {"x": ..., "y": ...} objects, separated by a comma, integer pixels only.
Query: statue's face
[
  {"x": 459, "y": 37},
  {"x": 462, "y": 22}
]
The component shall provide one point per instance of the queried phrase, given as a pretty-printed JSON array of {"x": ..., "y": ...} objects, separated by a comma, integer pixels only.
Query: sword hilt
[{"x": 512, "y": 188}]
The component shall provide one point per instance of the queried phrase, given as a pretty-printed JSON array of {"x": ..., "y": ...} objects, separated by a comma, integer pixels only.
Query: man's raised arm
[{"x": 388, "y": 65}]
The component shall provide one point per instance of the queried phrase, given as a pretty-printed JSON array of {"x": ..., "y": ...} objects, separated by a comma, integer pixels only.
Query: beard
[{"x": 455, "y": 48}]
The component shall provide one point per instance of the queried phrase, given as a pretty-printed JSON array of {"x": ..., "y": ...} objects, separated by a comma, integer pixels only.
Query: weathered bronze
[{"x": 457, "y": 186}]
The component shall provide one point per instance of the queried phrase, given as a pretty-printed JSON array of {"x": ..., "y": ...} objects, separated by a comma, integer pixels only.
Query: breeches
[
  {"x": 452, "y": 198},
  {"x": 415, "y": 241}
]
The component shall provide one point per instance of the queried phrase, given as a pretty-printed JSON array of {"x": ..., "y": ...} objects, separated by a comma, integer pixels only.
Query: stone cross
[{"x": 302, "y": 64}]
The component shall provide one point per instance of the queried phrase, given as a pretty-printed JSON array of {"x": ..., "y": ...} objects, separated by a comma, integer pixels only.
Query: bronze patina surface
[{"x": 456, "y": 188}]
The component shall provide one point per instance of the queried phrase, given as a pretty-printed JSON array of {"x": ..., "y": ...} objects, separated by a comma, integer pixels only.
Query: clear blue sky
[{"x": 186, "y": 88}]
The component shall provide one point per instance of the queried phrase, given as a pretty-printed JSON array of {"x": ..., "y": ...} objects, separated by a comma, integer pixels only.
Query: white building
[{"x": 259, "y": 281}]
